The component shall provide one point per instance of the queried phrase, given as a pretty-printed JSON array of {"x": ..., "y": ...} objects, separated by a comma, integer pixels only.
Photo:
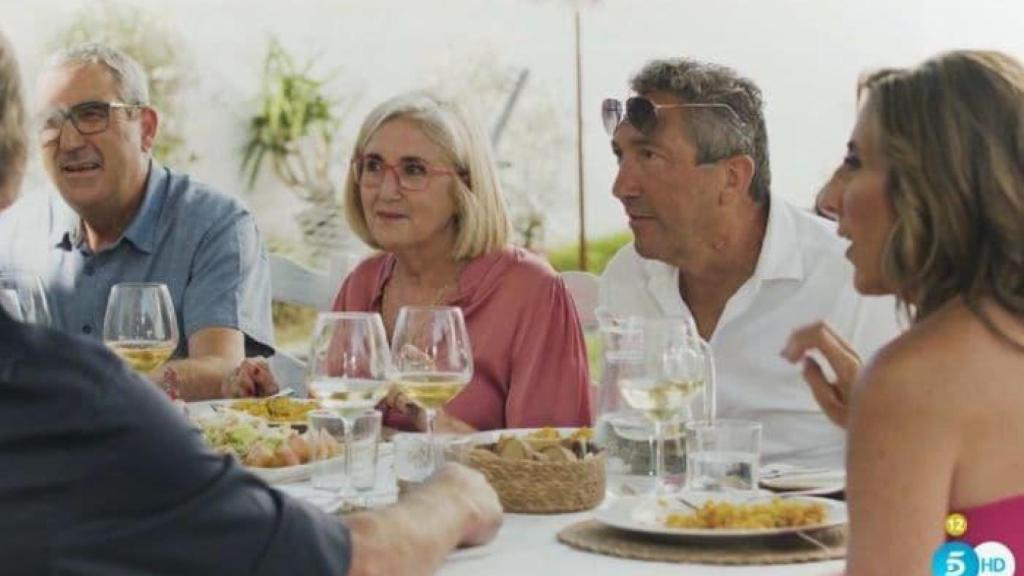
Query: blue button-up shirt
[{"x": 202, "y": 244}]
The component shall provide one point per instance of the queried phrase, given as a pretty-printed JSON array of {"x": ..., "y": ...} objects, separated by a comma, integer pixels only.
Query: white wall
[{"x": 805, "y": 54}]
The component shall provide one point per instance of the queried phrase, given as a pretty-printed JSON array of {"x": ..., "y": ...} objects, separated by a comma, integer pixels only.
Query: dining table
[{"x": 527, "y": 544}]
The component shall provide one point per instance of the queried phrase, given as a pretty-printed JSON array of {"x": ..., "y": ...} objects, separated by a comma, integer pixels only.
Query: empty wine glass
[
  {"x": 432, "y": 358},
  {"x": 24, "y": 298},
  {"x": 11, "y": 304},
  {"x": 349, "y": 362},
  {"x": 140, "y": 325}
]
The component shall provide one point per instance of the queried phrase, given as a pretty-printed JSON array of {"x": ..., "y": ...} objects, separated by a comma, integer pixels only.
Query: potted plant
[{"x": 294, "y": 132}]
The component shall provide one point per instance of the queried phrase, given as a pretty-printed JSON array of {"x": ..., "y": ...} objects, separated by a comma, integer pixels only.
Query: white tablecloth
[{"x": 527, "y": 545}]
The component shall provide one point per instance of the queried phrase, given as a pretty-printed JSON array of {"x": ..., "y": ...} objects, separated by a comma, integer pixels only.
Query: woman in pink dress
[
  {"x": 934, "y": 208},
  {"x": 424, "y": 191}
]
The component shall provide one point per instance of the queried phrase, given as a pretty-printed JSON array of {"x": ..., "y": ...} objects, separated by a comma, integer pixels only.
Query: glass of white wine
[
  {"x": 671, "y": 367},
  {"x": 432, "y": 358},
  {"x": 140, "y": 325},
  {"x": 349, "y": 363},
  {"x": 23, "y": 297}
]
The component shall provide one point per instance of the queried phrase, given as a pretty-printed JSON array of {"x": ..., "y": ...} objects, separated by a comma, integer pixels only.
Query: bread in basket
[{"x": 543, "y": 472}]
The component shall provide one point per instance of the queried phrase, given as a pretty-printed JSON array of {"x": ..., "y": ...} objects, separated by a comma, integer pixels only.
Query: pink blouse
[{"x": 530, "y": 363}]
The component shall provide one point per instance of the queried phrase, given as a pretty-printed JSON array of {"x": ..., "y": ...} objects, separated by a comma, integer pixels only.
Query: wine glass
[
  {"x": 24, "y": 298},
  {"x": 140, "y": 325},
  {"x": 432, "y": 358},
  {"x": 349, "y": 361},
  {"x": 665, "y": 367},
  {"x": 11, "y": 304}
]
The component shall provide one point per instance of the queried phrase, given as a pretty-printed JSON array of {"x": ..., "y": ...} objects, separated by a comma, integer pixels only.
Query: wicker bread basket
[{"x": 536, "y": 487}]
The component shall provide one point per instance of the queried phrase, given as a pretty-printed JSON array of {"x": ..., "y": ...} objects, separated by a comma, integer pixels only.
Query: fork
[
  {"x": 282, "y": 393},
  {"x": 787, "y": 472}
]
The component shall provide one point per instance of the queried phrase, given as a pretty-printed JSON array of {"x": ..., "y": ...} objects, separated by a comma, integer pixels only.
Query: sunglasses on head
[{"x": 642, "y": 114}]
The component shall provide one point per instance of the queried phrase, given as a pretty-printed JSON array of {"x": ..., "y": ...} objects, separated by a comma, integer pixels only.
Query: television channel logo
[{"x": 957, "y": 558}]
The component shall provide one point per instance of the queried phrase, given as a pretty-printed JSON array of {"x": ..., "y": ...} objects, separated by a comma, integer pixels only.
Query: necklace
[{"x": 389, "y": 308}]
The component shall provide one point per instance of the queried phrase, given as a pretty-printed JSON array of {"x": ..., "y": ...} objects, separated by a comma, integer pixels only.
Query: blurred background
[{"x": 262, "y": 99}]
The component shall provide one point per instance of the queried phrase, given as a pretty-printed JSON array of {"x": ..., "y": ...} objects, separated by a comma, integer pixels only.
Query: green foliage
[
  {"x": 599, "y": 252},
  {"x": 160, "y": 53},
  {"x": 294, "y": 127}
]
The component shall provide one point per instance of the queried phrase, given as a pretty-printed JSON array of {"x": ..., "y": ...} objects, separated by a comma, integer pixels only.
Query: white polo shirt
[{"x": 801, "y": 276}]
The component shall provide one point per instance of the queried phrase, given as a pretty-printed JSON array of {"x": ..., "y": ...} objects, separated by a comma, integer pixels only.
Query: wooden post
[{"x": 579, "y": 140}]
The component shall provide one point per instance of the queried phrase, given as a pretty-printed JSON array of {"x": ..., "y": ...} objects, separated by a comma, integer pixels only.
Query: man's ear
[
  {"x": 150, "y": 121},
  {"x": 739, "y": 172}
]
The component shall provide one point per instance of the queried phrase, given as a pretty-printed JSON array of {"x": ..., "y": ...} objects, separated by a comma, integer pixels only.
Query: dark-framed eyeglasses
[
  {"x": 88, "y": 118},
  {"x": 411, "y": 173},
  {"x": 642, "y": 114}
]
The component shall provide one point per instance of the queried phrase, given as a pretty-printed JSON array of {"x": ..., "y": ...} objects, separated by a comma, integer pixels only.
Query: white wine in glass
[
  {"x": 432, "y": 358},
  {"x": 143, "y": 357},
  {"x": 431, "y": 390},
  {"x": 661, "y": 399},
  {"x": 349, "y": 362},
  {"x": 668, "y": 369},
  {"x": 140, "y": 325},
  {"x": 348, "y": 397}
]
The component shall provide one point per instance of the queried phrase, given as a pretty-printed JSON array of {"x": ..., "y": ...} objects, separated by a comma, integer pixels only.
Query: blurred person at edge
[{"x": 933, "y": 205}]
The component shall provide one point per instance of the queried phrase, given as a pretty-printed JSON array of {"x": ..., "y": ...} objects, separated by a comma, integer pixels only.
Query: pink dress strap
[{"x": 999, "y": 521}]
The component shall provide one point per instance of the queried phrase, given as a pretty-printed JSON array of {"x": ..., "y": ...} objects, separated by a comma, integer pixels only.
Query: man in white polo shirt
[{"x": 712, "y": 242}]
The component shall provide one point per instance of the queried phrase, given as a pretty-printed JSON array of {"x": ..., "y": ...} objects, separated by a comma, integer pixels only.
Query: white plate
[
  {"x": 289, "y": 474},
  {"x": 284, "y": 475},
  {"x": 207, "y": 408},
  {"x": 640, "y": 514}
]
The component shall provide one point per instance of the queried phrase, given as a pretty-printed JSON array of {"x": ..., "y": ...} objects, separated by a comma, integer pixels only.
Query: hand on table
[
  {"x": 443, "y": 423},
  {"x": 251, "y": 378},
  {"x": 479, "y": 502}
]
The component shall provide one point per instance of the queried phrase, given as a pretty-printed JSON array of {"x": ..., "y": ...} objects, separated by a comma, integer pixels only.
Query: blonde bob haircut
[
  {"x": 952, "y": 132},
  {"x": 13, "y": 119},
  {"x": 481, "y": 220}
]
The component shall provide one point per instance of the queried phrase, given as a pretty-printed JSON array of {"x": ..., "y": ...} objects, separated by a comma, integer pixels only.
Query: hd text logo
[{"x": 959, "y": 559}]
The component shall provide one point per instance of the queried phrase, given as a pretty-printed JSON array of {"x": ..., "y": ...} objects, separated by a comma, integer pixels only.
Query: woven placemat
[{"x": 593, "y": 536}]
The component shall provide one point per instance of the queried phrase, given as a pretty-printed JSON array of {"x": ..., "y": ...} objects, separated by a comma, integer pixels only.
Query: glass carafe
[{"x": 627, "y": 435}]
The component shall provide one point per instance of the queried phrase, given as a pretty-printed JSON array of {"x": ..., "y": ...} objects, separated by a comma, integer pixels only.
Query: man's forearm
[
  {"x": 193, "y": 379},
  {"x": 412, "y": 537}
]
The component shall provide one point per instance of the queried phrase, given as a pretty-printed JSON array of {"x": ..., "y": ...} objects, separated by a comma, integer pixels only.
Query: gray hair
[
  {"x": 132, "y": 84},
  {"x": 718, "y": 131}
]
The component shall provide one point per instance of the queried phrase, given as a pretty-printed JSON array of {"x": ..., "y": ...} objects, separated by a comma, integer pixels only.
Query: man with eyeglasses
[
  {"x": 712, "y": 242},
  {"x": 132, "y": 220}
]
